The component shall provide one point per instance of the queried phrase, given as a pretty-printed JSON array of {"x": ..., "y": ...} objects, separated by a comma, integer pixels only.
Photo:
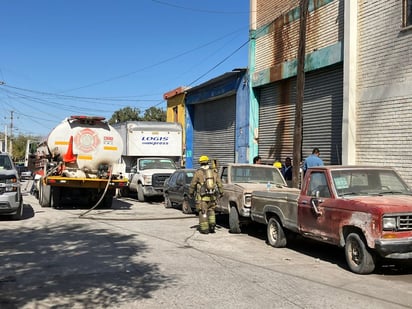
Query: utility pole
[
  {"x": 300, "y": 90},
  {"x": 10, "y": 150},
  {"x": 5, "y": 138}
]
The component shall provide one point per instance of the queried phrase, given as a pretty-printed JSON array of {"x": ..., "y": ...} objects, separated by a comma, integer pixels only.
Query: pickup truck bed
[{"x": 284, "y": 205}]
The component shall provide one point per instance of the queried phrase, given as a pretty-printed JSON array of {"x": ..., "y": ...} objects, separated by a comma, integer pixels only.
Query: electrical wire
[
  {"x": 197, "y": 9},
  {"x": 86, "y": 99}
]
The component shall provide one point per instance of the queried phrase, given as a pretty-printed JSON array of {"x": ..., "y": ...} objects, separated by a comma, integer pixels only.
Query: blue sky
[{"x": 93, "y": 57}]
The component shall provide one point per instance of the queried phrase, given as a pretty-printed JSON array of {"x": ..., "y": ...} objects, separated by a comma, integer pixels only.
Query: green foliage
[
  {"x": 19, "y": 146},
  {"x": 154, "y": 114},
  {"x": 133, "y": 114},
  {"x": 125, "y": 114}
]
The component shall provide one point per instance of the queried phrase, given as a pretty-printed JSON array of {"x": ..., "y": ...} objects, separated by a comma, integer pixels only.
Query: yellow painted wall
[{"x": 177, "y": 101}]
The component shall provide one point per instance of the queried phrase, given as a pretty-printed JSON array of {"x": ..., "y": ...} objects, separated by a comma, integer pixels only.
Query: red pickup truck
[{"x": 366, "y": 210}]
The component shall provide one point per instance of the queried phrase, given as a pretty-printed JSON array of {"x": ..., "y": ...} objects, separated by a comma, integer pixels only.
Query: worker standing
[{"x": 207, "y": 188}]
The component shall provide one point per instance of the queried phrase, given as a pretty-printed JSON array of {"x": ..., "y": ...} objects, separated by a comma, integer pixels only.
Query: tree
[
  {"x": 19, "y": 147},
  {"x": 125, "y": 114},
  {"x": 154, "y": 114},
  {"x": 20, "y": 144},
  {"x": 133, "y": 114}
]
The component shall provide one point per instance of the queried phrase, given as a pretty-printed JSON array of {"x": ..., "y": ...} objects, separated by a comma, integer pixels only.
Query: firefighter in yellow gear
[{"x": 207, "y": 188}]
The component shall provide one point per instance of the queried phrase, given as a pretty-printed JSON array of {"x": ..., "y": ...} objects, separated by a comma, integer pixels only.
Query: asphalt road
[{"x": 142, "y": 255}]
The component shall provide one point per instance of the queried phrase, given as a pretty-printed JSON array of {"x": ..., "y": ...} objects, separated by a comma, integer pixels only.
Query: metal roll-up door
[
  {"x": 214, "y": 130},
  {"x": 276, "y": 120},
  {"x": 322, "y": 114}
]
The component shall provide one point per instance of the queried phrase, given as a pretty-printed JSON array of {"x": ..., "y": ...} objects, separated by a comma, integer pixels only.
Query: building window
[
  {"x": 175, "y": 113},
  {"x": 407, "y": 13}
]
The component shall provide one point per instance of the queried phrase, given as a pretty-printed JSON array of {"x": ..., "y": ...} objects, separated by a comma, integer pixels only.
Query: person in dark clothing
[
  {"x": 257, "y": 160},
  {"x": 287, "y": 169}
]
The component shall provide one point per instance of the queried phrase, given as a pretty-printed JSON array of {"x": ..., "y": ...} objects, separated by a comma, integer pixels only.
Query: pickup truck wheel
[
  {"x": 358, "y": 257},
  {"x": 186, "y": 209},
  {"x": 275, "y": 233},
  {"x": 140, "y": 194},
  {"x": 168, "y": 202},
  {"x": 234, "y": 225}
]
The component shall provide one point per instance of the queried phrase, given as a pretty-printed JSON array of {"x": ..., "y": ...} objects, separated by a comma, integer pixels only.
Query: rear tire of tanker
[
  {"x": 107, "y": 201},
  {"x": 55, "y": 197},
  {"x": 44, "y": 195},
  {"x": 124, "y": 192},
  {"x": 140, "y": 193}
]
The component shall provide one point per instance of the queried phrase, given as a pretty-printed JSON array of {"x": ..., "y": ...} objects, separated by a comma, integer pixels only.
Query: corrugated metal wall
[
  {"x": 276, "y": 120},
  {"x": 384, "y": 113},
  {"x": 214, "y": 130},
  {"x": 279, "y": 41},
  {"x": 322, "y": 116},
  {"x": 267, "y": 9}
]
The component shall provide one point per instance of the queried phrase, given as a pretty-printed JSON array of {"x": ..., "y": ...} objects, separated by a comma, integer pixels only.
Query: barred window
[{"x": 407, "y": 13}]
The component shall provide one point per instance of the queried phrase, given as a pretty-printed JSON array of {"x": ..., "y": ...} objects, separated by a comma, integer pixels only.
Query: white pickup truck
[{"x": 149, "y": 175}]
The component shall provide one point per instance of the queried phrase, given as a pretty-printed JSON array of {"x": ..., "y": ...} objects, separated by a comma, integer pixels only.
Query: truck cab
[
  {"x": 148, "y": 176},
  {"x": 239, "y": 180}
]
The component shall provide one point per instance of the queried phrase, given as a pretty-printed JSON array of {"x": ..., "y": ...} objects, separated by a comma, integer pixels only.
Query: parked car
[
  {"x": 176, "y": 190},
  {"x": 25, "y": 173},
  {"x": 11, "y": 200}
]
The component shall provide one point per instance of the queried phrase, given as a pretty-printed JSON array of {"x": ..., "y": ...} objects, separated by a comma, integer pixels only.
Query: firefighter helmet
[
  {"x": 203, "y": 159},
  {"x": 277, "y": 164}
]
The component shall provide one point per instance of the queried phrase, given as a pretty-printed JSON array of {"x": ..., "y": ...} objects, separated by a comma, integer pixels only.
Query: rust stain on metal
[{"x": 280, "y": 41}]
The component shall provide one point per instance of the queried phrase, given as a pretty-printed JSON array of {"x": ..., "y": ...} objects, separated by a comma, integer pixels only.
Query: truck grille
[
  {"x": 405, "y": 222},
  {"x": 158, "y": 180}
]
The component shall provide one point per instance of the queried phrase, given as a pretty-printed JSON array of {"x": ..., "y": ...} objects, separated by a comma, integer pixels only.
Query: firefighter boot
[
  {"x": 203, "y": 223},
  {"x": 211, "y": 218}
]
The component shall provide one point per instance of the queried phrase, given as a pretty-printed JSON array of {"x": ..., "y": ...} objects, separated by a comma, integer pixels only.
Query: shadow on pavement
[
  {"x": 73, "y": 265},
  {"x": 321, "y": 251}
]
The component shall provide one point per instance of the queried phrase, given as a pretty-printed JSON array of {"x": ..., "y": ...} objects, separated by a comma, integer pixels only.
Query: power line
[
  {"x": 218, "y": 64},
  {"x": 196, "y": 9},
  {"x": 155, "y": 64}
]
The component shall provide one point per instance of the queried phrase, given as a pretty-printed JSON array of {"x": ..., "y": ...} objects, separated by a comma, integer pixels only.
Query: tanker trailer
[{"x": 81, "y": 166}]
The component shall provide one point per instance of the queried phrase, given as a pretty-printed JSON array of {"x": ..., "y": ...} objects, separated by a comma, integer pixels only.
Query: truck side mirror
[{"x": 314, "y": 202}]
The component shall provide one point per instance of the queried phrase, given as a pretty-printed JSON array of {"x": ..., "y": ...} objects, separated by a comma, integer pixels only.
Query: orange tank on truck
[{"x": 81, "y": 164}]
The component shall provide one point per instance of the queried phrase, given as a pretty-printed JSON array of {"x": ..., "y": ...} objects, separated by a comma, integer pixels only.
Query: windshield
[
  {"x": 368, "y": 182},
  {"x": 146, "y": 164},
  {"x": 256, "y": 174},
  {"x": 5, "y": 163}
]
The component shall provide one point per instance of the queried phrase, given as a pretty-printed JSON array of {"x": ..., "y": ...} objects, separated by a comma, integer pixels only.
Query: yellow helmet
[
  {"x": 277, "y": 164},
  {"x": 203, "y": 159}
]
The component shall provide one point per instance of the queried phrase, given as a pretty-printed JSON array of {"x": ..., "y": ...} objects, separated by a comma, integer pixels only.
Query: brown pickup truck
[
  {"x": 239, "y": 180},
  {"x": 365, "y": 210}
]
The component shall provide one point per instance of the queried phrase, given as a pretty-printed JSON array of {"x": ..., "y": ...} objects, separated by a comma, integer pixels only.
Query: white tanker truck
[{"x": 80, "y": 163}]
